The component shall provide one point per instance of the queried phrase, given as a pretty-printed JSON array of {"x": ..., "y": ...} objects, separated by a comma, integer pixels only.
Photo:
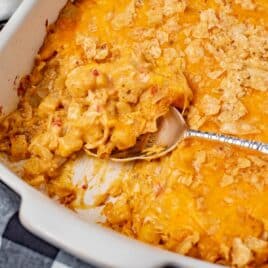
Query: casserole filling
[{"x": 104, "y": 75}]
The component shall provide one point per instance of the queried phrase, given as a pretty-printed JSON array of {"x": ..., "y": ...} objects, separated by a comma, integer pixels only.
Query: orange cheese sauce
[{"x": 209, "y": 58}]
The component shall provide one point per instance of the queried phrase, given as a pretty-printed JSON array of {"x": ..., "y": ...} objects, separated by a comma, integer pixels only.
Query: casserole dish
[
  {"x": 105, "y": 73},
  {"x": 19, "y": 43}
]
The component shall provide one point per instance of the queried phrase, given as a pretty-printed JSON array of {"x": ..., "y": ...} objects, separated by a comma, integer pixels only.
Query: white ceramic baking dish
[{"x": 19, "y": 43}]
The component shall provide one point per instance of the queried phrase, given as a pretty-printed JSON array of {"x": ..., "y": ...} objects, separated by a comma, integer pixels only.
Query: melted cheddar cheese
[{"x": 107, "y": 71}]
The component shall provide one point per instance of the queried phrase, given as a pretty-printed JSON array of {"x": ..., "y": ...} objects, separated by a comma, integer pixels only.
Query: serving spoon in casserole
[{"x": 171, "y": 131}]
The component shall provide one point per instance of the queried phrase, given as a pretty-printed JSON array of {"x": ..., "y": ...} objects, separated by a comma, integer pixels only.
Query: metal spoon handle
[{"x": 253, "y": 145}]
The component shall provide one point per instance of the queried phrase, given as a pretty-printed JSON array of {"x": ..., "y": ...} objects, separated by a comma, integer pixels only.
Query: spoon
[{"x": 171, "y": 131}]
